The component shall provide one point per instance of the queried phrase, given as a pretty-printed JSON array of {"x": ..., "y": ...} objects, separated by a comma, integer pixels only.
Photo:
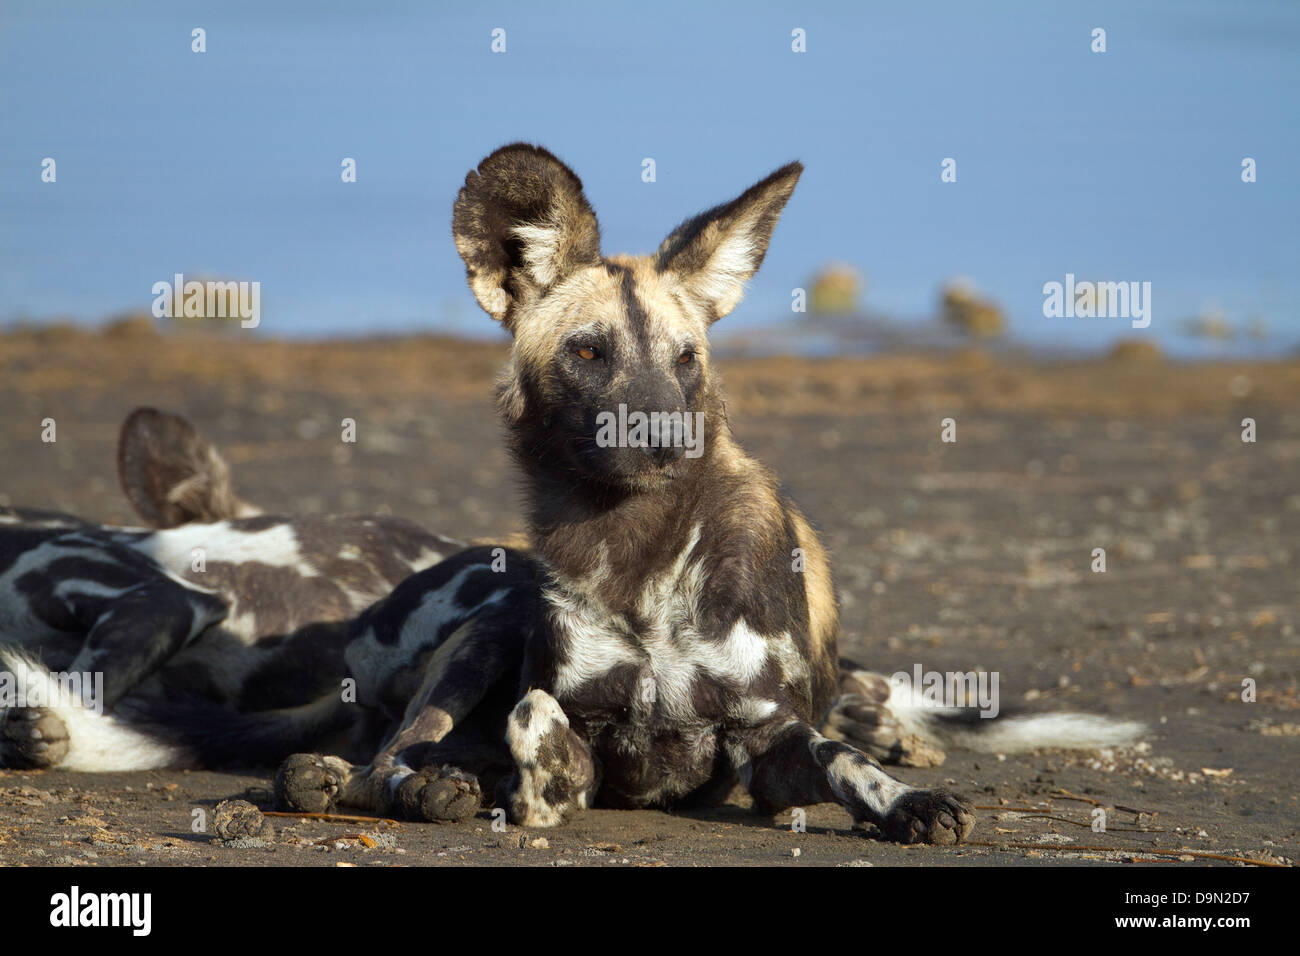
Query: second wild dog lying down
[
  {"x": 674, "y": 630},
  {"x": 219, "y": 602}
]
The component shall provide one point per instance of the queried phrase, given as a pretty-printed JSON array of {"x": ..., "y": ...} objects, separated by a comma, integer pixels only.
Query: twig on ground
[
  {"x": 1086, "y": 824},
  {"x": 1067, "y": 795},
  {"x": 332, "y": 817}
]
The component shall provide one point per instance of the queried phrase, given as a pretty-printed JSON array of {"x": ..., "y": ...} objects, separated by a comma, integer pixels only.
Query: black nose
[{"x": 664, "y": 454}]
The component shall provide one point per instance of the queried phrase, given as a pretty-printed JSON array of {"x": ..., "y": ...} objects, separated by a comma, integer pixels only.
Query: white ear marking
[
  {"x": 722, "y": 281},
  {"x": 541, "y": 251}
]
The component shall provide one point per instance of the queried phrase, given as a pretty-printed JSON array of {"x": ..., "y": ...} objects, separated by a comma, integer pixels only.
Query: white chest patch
[{"x": 665, "y": 642}]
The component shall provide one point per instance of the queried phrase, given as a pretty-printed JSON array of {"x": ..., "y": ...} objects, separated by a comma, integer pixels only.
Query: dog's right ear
[
  {"x": 171, "y": 475},
  {"x": 521, "y": 224},
  {"x": 715, "y": 253}
]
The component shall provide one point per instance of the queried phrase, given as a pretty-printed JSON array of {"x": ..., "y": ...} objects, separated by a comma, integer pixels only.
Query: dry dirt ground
[{"x": 956, "y": 556}]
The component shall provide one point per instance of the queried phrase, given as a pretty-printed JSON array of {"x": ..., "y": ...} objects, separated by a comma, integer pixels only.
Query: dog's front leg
[
  {"x": 133, "y": 633},
  {"x": 794, "y": 765},
  {"x": 319, "y": 783},
  {"x": 405, "y": 778},
  {"x": 555, "y": 773}
]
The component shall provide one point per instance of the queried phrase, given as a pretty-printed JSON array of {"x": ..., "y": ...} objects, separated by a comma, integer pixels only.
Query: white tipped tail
[
  {"x": 97, "y": 742},
  {"x": 963, "y": 728}
]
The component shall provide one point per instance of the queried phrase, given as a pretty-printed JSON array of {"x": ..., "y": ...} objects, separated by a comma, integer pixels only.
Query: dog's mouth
[
  {"x": 629, "y": 469},
  {"x": 655, "y": 475},
  {"x": 648, "y": 482}
]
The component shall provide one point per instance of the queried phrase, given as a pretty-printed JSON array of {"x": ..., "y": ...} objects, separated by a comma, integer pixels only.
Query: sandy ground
[{"x": 956, "y": 556}]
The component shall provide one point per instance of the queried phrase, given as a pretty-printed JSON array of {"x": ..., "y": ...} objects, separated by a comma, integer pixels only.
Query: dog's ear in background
[
  {"x": 522, "y": 223},
  {"x": 715, "y": 253},
  {"x": 171, "y": 475}
]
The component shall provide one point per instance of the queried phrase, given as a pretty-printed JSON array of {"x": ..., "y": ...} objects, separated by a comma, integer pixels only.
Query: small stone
[
  {"x": 796, "y": 852},
  {"x": 541, "y": 843},
  {"x": 239, "y": 819}
]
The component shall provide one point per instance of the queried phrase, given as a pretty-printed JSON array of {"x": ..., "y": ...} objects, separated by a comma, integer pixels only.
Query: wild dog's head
[{"x": 609, "y": 376}]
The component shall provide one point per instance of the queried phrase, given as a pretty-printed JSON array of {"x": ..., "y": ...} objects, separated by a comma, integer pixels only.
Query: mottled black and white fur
[
  {"x": 220, "y": 603},
  {"x": 673, "y": 631}
]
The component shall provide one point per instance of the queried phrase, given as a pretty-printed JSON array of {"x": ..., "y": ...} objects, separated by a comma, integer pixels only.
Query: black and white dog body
[
  {"x": 218, "y": 603},
  {"x": 673, "y": 631}
]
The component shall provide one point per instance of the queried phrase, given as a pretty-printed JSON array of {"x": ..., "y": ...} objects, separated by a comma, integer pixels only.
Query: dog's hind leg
[
  {"x": 796, "y": 766},
  {"x": 861, "y": 716},
  {"x": 136, "y": 632}
]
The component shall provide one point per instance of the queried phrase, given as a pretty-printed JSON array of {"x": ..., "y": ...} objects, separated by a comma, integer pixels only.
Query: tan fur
[
  {"x": 516, "y": 540},
  {"x": 593, "y": 295},
  {"x": 823, "y": 613}
]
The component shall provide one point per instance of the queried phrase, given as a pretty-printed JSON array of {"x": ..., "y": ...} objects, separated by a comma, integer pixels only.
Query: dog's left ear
[{"x": 715, "y": 253}]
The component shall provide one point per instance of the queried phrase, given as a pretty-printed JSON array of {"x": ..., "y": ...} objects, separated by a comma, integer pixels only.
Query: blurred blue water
[{"x": 1123, "y": 165}]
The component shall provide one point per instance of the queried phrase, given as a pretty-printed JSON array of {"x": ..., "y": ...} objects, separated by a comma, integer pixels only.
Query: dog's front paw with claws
[
  {"x": 310, "y": 783},
  {"x": 928, "y": 816},
  {"x": 441, "y": 794}
]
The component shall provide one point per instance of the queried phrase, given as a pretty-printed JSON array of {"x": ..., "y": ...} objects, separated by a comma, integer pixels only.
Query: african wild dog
[
  {"x": 660, "y": 642},
  {"x": 221, "y": 603}
]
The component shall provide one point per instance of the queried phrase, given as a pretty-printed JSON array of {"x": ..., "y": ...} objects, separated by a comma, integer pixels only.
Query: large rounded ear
[
  {"x": 715, "y": 253},
  {"x": 171, "y": 475},
  {"x": 521, "y": 224}
]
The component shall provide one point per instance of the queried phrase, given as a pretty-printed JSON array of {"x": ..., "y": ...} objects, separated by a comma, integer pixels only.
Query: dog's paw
[
  {"x": 867, "y": 723},
  {"x": 309, "y": 783},
  {"x": 861, "y": 717},
  {"x": 32, "y": 738},
  {"x": 553, "y": 774},
  {"x": 928, "y": 816},
  {"x": 442, "y": 794},
  {"x": 536, "y": 731}
]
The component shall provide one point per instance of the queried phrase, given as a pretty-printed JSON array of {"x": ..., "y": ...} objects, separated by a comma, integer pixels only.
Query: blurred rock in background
[
  {"x": 1211, "y": 324},
  {"x": 835, "y": 290},
  {"x": 1135, "y": 350},
  {"x": 963, "y": 308}
]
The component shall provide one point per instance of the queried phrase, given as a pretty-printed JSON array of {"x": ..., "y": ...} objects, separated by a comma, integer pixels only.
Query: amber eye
[
  {"x": 686, "y": 358},
  {"x": 586, "y": 353}
]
